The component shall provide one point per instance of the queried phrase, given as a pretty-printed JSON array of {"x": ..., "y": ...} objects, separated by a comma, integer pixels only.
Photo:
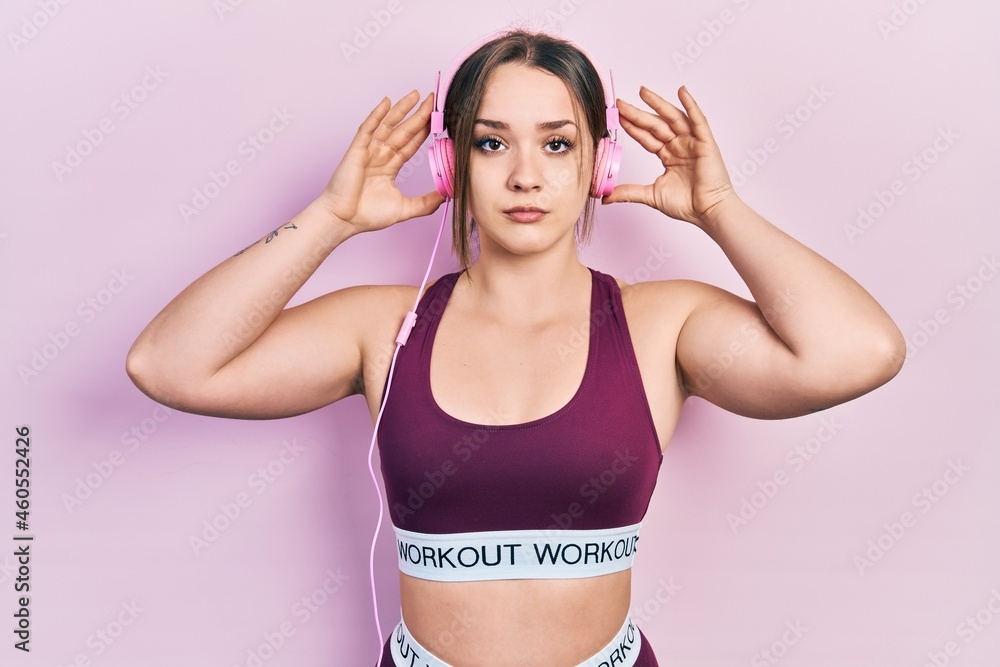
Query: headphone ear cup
[
  {"x": 442, "y": 164},
  {"x": 607, "y": 162}
]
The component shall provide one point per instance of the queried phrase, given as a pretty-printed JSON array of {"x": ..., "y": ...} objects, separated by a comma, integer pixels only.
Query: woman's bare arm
[
  {"x": 227, "y": 346},
  {"x": 812, "y": 337}
]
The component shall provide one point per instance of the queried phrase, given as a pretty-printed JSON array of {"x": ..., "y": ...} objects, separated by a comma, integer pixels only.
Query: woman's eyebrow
[{"x": 546, "y": 125}]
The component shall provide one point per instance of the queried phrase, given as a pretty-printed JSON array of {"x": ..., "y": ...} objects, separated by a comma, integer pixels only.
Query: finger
[
  {"x": 653, "y": 124},
  {"x": 396, "y": 114},
  {"x": 699, "y": 124},
  {"x": 630, "y": 192},
  {"x": 415, "y": 207},
  {"x": 646, "y": 139},
  {"x": 369, "y": 125},
  {"x": 678, "y": 121},
  {"x": 404, "y": 153},
  {"x": 413, "y": 126}
]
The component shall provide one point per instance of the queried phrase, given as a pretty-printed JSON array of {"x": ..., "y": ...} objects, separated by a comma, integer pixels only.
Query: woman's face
[{"x": 526, "y": 154}]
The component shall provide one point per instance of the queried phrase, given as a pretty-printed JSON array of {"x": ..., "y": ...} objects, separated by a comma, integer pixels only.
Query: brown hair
[{"x": 465, "y": 95}]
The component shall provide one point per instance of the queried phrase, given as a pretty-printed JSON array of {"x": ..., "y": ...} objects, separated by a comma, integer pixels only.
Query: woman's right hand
[{"x": 362, "y": 191}]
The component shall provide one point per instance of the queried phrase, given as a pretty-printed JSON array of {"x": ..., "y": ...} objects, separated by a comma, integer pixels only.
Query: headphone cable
[{"x": 401, "y": 338}]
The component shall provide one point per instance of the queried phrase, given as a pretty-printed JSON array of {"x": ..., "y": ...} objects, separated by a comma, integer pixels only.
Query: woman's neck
[{"x": 526, "y": 290}]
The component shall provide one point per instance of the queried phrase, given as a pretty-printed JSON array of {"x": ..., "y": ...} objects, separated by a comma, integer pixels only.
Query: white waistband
[
  {"x": 516, "y": 554},
  {"x": 622, "y": 651}
]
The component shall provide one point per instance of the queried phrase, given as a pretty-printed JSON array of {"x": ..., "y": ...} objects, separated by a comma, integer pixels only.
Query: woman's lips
[{"x": 524, "y": 214}]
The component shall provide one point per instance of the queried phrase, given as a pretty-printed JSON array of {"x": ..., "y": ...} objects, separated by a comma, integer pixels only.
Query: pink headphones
[{"x": 607, "y": 161}]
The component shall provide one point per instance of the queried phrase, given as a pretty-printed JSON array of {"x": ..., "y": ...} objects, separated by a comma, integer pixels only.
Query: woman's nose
[{"x": 526, "y": 172}]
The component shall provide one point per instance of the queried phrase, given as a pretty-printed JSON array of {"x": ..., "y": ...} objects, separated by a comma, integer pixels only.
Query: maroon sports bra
[{"x": 590, "y": 465}]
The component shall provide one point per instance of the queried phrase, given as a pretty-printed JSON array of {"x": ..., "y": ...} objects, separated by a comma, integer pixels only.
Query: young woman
[{"x": 535, "y": 393}]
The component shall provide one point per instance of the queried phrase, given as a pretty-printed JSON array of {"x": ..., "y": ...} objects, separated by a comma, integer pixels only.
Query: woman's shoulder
[
  {"x": 647, "y": 288},
  {"x": 376, "y": 306},
  {"x": 662, "y": 302}
]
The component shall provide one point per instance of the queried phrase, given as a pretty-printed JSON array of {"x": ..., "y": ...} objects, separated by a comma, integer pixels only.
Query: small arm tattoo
[
  {"x": 275, "y": 232},
  {"x": 247, "y": 248},
  {"x": 268, "y": 238}
]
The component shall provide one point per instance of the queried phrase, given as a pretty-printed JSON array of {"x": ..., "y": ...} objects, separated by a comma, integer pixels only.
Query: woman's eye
[
  {"x": 489, "y": 144},
  {"x": 558, "y": 145}
]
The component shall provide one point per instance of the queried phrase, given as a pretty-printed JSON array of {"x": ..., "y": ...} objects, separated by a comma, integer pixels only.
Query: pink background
[{"x": 111, "y": 231}]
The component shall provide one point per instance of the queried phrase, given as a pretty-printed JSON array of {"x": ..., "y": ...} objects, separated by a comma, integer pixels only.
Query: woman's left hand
[{"x": 694, "y": 179}]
